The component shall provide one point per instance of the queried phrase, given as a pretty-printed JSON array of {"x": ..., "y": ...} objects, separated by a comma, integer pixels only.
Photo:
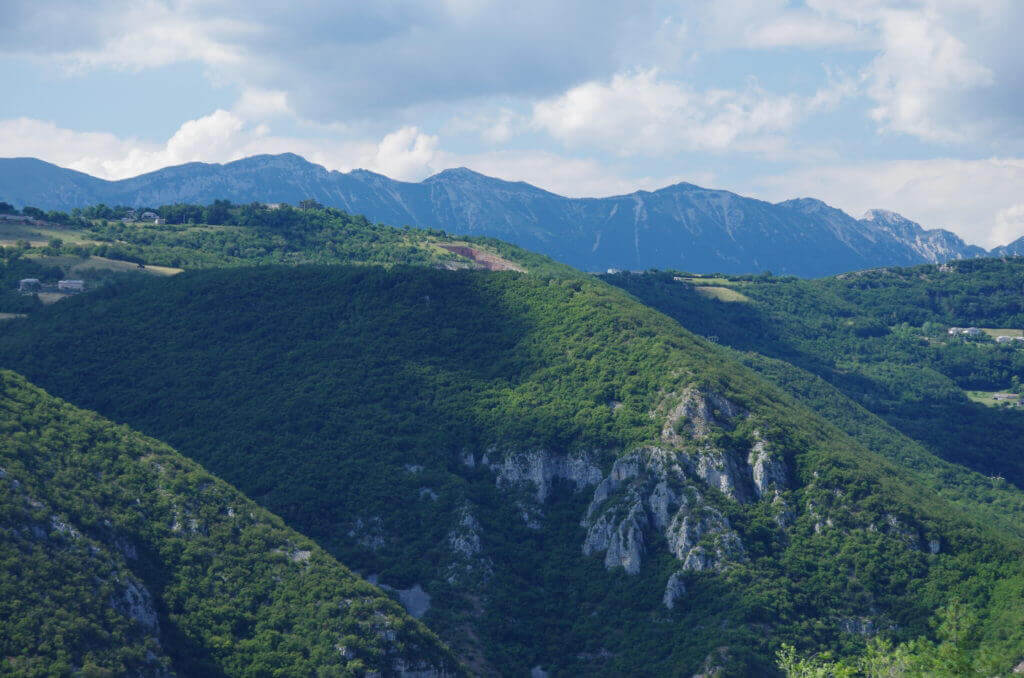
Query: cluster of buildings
[
  {"x": 152, "y": 217},
  {"x": 966, "y": 331},
  {"x": 974, "y": 332},
  {"x": 1012, "y": 399},
  {"x": 33, "y": 285}
]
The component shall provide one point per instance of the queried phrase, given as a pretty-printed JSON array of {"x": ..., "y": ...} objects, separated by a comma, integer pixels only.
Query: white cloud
[
  {"x": 1009, "y": 224},
  {"x": 979, "y": 200},
  {"x": 641, "y": 114},
  {"x": 921, "y": 66},
  {"x": 42, "y": 139},
  {"x": 221, "y": 136},
  {"x": 261, "y": 104},
  {"x": 406, "y": 154},
  {"x": 802, "y": 29},
  {"x": 150, "y": 33},
  {"x": 768, "y": 24}
]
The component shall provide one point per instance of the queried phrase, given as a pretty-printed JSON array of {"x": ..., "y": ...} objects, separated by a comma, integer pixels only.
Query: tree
[{"x": 218, "y": 213}]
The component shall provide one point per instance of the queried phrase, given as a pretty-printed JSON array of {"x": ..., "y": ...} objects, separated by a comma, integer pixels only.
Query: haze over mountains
[{"x": 679, "y": 227}]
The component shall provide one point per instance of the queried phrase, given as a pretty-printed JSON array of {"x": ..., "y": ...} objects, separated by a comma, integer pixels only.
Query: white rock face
[
  {"x": 719, "y": 470},
  {"x": 467, "y": 549},
  {"x": 695, "y": 415},
  {"x": 648, "y": 493},
  {"x": 769, "y": 472},
  {"x": 674, "y": 590},
  {"x": 541, "y": 468},
  {"x": 465, "y": 538},
  {"x": 690, "y": 525},
  {"x": 135, "y": 602}
]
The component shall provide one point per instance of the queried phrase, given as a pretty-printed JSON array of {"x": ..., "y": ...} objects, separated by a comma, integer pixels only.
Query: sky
[{"x": 915, "y": 106}]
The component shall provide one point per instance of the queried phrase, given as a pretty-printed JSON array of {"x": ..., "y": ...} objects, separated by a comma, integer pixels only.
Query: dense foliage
[
  {"x": 344, "y": 399},
  {"x": 120, "y": 557},
  {"x": 880, "y": 337}
]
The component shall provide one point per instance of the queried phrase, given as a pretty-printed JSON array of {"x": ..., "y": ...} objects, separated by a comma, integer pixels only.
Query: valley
[{"x": 577, "y": 482}]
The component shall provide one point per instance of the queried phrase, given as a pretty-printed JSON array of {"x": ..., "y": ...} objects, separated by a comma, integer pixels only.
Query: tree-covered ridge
[
  {"x": 383, "y": 413},
  {"x": 223, "y": 234},
  {"x": 121, "y": 557},
  {"x": 880, "y": 337}
]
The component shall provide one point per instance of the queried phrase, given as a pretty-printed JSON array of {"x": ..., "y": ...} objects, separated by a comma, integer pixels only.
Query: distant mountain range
[{"x": 678, "y": 227}]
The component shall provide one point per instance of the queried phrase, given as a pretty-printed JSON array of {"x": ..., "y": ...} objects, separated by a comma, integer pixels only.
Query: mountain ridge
[{"x": 680, "y": 226}]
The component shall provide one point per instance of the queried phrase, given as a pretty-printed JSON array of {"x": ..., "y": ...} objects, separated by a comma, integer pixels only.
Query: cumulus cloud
[
  {"x": 641, "y": 113},
  {"x": 406, "y": 153},
  {"x": 338, "y": 59},
  {"x": 222, "y": 136},
  {"x": 922, "y": 64},
  {"x": 767, "y": 24},
  {"x": 979, "y": 200}
]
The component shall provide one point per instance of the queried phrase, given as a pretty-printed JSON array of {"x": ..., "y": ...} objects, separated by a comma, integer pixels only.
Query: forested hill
[
  {"x": 882, "y": 338},
  {"x": 680, "y": 226},
  {"x": 577, "y": 484},
  {"x": 122, "y": 558}
]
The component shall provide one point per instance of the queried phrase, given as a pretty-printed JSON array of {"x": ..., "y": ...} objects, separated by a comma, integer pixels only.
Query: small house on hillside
[
  {"x": 70, "y": 286},
  {"x": 29, "y": 285},
  {"x": 149, "y": 216}
]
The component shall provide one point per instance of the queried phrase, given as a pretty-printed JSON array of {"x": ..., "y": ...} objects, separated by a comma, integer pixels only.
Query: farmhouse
[
  {"x": 29, "y": 285},
  {"x": 966, "y": 331},
  {"x": 71, "y": 286}
]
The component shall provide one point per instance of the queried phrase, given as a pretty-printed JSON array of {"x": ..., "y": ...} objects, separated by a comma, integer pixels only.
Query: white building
[{"x": 70, "y": 286}]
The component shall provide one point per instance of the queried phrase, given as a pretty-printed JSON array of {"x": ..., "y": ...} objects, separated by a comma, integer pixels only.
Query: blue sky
[{"x": 908, "y": 105}]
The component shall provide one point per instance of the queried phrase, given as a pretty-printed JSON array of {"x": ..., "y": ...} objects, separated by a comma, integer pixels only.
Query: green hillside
[
  {"x": 121, "y": 557},
  {"x": 577, "y": 482},
  {"x": 881, "y": 338},
  {"x": 101, "y": 244}
]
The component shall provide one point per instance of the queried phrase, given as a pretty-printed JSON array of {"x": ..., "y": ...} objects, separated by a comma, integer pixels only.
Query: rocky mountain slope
[
  {"x": 565, "y": 480},
  {"x": 121, "y": 557},
  {"x": 681, "y": 227}
]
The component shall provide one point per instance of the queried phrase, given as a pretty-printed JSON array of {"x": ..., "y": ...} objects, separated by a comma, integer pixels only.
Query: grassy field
[
  {"x": 39, "y": 236},
  {"x": 986, "y": 398},
  {"x": 721, "y": 293},
  {"x": 51, "y": 297},
  {"x": 709, "y": 280},
  {"x": 1002, "y": 333},
  {"x": 104, "y": 264},
  {"x": 80, "y": 266},
  {"x": 714, "y": 287}
]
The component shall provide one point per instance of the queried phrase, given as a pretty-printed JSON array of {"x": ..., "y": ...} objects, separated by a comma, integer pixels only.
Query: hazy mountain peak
[{"x": 888, "y": 217}]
